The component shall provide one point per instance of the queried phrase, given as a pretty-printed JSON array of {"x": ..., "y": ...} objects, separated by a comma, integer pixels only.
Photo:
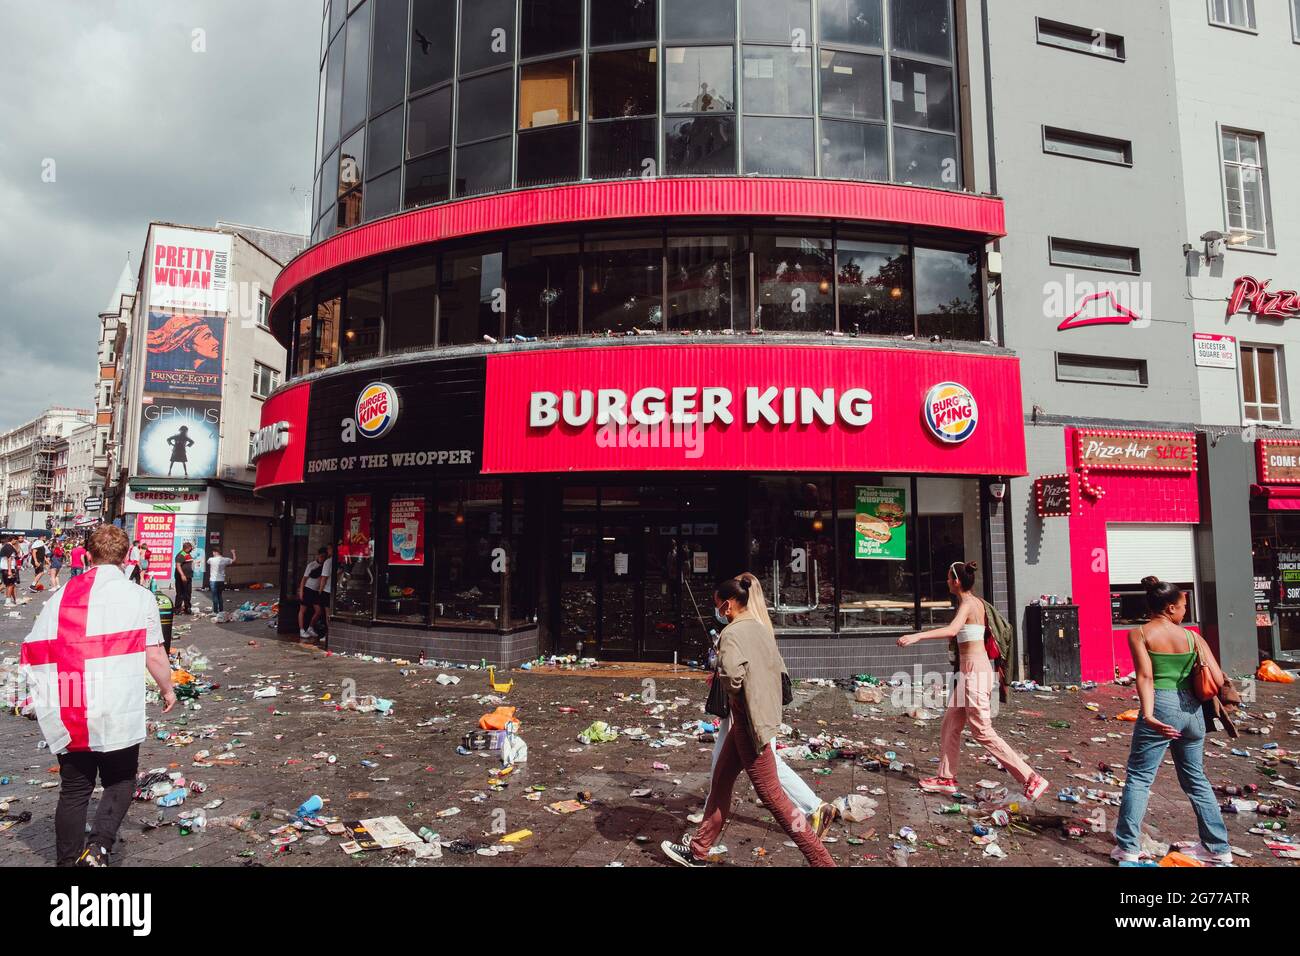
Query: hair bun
[
  {"x": 745, "y": 581},
  {"x": 972, "y": 566},
  {"x": 1150, "y": 581}
]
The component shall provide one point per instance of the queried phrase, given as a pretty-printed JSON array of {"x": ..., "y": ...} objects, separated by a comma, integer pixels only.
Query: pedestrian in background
[
  {"x": 184, "y": 574},
  {"x": 93, "y": 641},
  {"x": 57, "y": 556},
  {"x": 217, "y": 565},
  {"x": 9, "y": 561},
  {"x": 1169, "y": 718},
  {"x": 78, "y": 559}
]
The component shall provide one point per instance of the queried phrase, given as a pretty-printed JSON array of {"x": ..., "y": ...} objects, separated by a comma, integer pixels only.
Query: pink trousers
[{"x": 970, "y": 706}]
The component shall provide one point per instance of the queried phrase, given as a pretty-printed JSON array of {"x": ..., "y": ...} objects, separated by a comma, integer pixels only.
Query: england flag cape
[{"x": 84, "y": 661}]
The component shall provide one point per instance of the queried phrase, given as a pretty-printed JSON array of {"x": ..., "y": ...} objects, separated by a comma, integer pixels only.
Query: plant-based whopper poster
[{"x": 880, "y": 523}]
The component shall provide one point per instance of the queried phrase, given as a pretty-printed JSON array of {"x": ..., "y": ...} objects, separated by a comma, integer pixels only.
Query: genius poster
[{"x": 178, "y": 439}]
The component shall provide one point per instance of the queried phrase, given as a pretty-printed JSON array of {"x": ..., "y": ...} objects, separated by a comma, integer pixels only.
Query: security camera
[{"x": 998, "y": 490}]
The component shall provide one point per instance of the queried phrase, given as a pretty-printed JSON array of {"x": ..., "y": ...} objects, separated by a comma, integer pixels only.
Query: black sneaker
[{"x": 679, "y": 853}]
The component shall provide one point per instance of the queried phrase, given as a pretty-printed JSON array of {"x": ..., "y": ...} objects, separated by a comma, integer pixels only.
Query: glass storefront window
[
  {"x": 428, "y": 179},
  {"x": 388, "y": 64},
  {"x": 853, "y": 85},
  {"x": 624, "y": 279},
  {"x": 363, "y": 319},
  {"x": 778, "y": 147},
  {"x": 707, "y": 283},
  {"x": 548, "y": 93},
  {"x": 876, "y": 576},
  {"x": 412, "y": 297},
  {"x": 922, "y": 26},
  {"x": 618, "y": 149},
  {"x": 622, "y": 83},
  {"x": 327, "y": 332},
  {"x": 470, "y": 552},
  {"x": 487, "y": 35},
  {"x": 792, "y": 549},
  {"x": 699, "y": 79},
  {"x": 875, "y": 288},
  {"x": 484, "y": 106},
  {"x": 926, "y": 159},
  {"x": 794, "y": 283},
  {"x": 859, "y": 22},
  {"x": 428, "y": 123},
  {"x": 483, "y": 167},
  {"x": 947, "y": 530},
  {"x": 549, "y": 26},
  {"x": 855, "y": 151},
  {"x": 470, "y": 296},
  {"x": 778, "y": 80},
  {"x": 405, "y": 575},
  {"x": 700, "y": 146},
  {"x": 783, "y": 21},
  {"x": 433, "y": 29},
  {"x": 622, "y": 21},
  {"x": 699, "y": 19},
  {"x": 542, "y": 287},
  {"x": 354, "y": 558},
  {"x": 356, "y": 69},
  {"x": 949, "y": 295}
]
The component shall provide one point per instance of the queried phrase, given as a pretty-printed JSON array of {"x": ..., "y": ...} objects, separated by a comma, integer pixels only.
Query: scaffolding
[{"x": 45, "y": 455}]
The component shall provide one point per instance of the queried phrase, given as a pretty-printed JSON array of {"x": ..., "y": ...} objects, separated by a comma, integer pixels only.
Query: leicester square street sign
[{"x": 1254, "y": 296}]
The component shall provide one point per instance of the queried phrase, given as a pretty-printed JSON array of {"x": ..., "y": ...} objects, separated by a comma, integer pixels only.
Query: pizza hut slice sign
[{"x": 1137, "y": 451}]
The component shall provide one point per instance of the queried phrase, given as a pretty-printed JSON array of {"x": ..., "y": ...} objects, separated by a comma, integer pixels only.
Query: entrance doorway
[{"x": 637, "y": 564}]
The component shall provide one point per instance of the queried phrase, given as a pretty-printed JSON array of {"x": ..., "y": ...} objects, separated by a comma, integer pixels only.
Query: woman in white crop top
[{"x": 969, "y": 702}]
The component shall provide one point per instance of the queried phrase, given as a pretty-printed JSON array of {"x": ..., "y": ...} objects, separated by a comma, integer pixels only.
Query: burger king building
[{"x": 561, "y": 367}]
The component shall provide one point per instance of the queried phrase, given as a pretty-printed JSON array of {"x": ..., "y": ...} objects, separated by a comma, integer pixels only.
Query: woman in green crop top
[{"x": 1170, "y": 719}]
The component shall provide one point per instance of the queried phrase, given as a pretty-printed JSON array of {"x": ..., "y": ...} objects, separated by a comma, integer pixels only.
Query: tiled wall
[
  {"x": 459, "y": 647},
  {"x": 842, "y": 657}
]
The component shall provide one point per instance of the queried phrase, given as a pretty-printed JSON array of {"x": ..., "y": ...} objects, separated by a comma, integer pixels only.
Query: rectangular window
[
  {"x": 1100, "y": 370},
  {"x": 1102, "y": 149},
  {"x": 327, "y": 332},
  {"x": 1067, "y": 36},
  {"x": 623, "y": 21},
  {"x": 1238, "y": 14},
  {"x": 363, "y": 319},
  {"x": 351, "y": 157},
  {"x": 252, "y": 439},
  {"x": 1093, "y": 255},
  {"x": 388, "y": 60},
  {"x": 433, "y": 29},
  {"x": 793, "y": 551},
  {"x": 356, "y": 71},
  {"x": 265, "y": 380},
  {"x": 487, "y": 35},
  {"x": 624, "y": 279},
  {"x": 707, "y": 283},
  {"x": 542, "y": 289},
  {"x": 1261, "y": 384},
  {"x": 875, "y": 288},
  {"x": 263, "y": 310},
  {"x": 1245, "y": 185},
  {"x": 405, "y": 576},
  {"x": 1133, "y": 551},
  {"x": 794, "y": 283},
  {"x": 470, "y": 536},
  {"x": 412, "y": 298},
  {"x": 468, "y": 296}
]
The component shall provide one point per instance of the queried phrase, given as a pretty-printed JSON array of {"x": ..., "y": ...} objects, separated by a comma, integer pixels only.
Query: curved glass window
[
  {"x": 543, "y": 287},
  {"x": 356, "y": 69},
  {"x": 428, "y": 124},
  {"x": 363, "y": 318},
  {"x": 948, "y": 294},
  {"x": 922, "y": 94},
  {"x": 778, "y": 147},
  {"x": 875, "y": 286},
  {"x": 699, "y": 19},
  {"x": 707, "y": 282},
  {"x": 485, "y": 107},
  {"x": 333, "y": 93},
  {"x": 782, "y": 21},
  {"x": 384, "y": 143},
  {"x": 428, "y": 180},
  {"x": 853, "y": 85},
  {"x": 412, "y": 305},
  {"x": 922, "y": 26},
  {"x": 619, "y": 149},
  {"x": 794, "y": 282},
  {"x": 471, "y": 295},
  {"x": 433, "y": 30},
  {"x": 858, "y": 22},
  {"x": 487, "y": 34},
  {"x": 388, "y": 60},
  {"x": 855, "y": 151},
  {"x": 778, "y": 80},
  {"x": 622, "y": 84},
  {"x": 549, "y": 26},
  {"x": 925, "y": 159},
  {"x": 699, "y": 79},
  {"x": 622, "y": 21},
  {"x": 699, "y": 146},
  {"x": 483, "y": 167},
  {"x": 548, "y": 93},
  {"x": 624, "y": 278},
  {"x": 550, "y": 155}
]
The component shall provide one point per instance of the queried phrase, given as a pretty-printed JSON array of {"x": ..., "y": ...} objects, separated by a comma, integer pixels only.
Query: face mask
[{"x": 722, "y": 618}]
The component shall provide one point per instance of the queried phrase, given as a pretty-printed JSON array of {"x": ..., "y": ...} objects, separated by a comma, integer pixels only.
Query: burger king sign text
[
  {"x": 377, "y": 410},
  {"x": 950, "y": 412}
]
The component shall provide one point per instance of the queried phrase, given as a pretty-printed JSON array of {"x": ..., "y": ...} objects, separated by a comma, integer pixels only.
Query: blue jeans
[
  {"x": 218, "y": 604},
  {"x": 1181, "y": 710}
]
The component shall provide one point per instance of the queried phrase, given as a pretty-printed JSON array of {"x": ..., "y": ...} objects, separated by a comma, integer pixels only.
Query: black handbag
[
  {"x": 787, "y": 690},
  {"x": 717, "y": 704}
]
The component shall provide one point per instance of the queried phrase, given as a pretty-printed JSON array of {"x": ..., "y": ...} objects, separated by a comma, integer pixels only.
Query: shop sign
[
  {"x": 1215, "y": 351},
  {"x": 1278, "y": 461},
  {"x": 1052, "y": 498},
  {"x": 1287, "y": 564},
  {"x": 377, "y": 409},
  {"x": 406, "y": 531},
  {"x": 951, "y": 413},
  {"x": 356, "y": 537},
  {"x": 157, "y": 532},
  {"x": 1253, "y": 296},
  {"x": 269, "y": 438},
  {"x": 1097, "y": 450},
  {"x": 1263, "y": 602},
  {"x": 93, "y": 504},
  {"x": 879, "y": 523}
]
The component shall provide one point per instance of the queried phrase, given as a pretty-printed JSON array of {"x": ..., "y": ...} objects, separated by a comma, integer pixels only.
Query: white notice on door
[
  {"x": 578, "y": 562},
  {"x": 700, "y": 562},
  {"x": 620, "y": 564}
]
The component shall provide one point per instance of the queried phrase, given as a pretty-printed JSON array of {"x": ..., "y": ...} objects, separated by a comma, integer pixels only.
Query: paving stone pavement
[{"x": 419, "y": 772}]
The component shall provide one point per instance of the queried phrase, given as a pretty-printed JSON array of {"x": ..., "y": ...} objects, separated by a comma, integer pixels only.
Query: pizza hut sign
[
  {"x": 1254, "y": 296},
  {"x": 1097, "y": 450}
]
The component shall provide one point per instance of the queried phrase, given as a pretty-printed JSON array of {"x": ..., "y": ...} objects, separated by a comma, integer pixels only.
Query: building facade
[
  {"x": 608, "y": 301},
  {"x": 190, "y": 364},
  {"x": 31, "y": 476}
]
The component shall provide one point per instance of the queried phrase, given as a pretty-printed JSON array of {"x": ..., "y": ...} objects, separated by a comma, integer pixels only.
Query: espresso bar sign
[
  {"x": 1279, "y": 461},
  {"x": 1052, "y": 496},
  {"x": 1136, "y": 451}
]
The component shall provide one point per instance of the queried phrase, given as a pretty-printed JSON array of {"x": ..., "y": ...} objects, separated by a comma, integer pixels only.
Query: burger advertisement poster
[
  {"x": 880, "y": 523},
  {"x": 183, "y": 354},
  {"x": 179, "y": 439}
]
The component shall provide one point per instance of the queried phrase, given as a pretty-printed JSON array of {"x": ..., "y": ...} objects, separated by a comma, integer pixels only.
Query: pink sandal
[{"x": 939, "y": 785}]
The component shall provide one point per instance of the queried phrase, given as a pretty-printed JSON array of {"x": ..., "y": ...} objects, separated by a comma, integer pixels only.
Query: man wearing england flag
[{"x": 85, "y": 660}]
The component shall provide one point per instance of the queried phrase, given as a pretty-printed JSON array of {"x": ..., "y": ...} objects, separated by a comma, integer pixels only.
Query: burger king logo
[
  {"x": 951, "y": 413},
  {"x": 377, "y": 409}
]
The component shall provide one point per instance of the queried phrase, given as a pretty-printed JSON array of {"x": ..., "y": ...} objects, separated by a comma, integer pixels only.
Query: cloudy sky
[{"x": 139, "y": 126}]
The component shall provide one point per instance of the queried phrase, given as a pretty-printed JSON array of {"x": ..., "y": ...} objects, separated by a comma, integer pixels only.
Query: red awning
[{"x": 1280, "y": 497}]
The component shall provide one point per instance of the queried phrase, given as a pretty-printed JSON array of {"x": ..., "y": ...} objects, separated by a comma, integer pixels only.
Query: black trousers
[
  {"x": 183, "y": 592},
  {"x": 116, "y": 770}
]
